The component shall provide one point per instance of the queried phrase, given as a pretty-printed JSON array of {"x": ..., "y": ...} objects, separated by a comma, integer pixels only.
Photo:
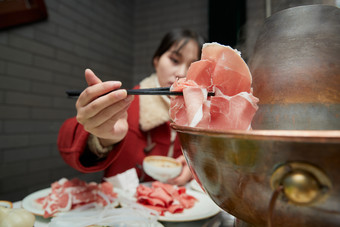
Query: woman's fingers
[
  {"x": 113, "y": 126},
  {"x": 114, "y": 99},
  {"x": 183, "y": 178},
  {"x": 113, "y": 130},
  {"x": 102, "y": 108},
  {"x": 112, "y": 113},
  {"x": 95, "y": 91},
  {"x": 182, "y": 160},
  {"x": 185, "y": 175}
]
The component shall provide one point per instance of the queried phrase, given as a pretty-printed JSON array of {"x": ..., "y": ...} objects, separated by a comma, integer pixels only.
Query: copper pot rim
[{"x": 289, "y": 135}]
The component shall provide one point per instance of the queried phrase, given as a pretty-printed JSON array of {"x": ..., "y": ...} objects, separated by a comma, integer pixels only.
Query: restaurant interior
[{"x": 46, "y": 45}]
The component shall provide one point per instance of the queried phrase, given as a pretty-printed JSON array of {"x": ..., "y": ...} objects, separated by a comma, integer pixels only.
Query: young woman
[{"x": 116, "y": 131}]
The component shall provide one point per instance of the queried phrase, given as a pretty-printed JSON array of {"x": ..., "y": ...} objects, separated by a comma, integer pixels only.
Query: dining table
[{"x": 214, "y": 216}]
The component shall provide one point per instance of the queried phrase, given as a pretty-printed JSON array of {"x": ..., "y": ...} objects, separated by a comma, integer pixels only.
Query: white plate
[
  {"x": 194, "y": 185},
  {"x": 31, "y": 205},
  {"x": 203, "y": 208}
]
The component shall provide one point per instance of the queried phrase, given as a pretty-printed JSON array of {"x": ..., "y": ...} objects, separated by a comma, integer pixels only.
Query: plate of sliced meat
[
  {"x": 32, "y": 201},
  {"x": 173, "y": 203},
  {"x": 65, "y": 195},
  {"x": 202, "y": 209}
]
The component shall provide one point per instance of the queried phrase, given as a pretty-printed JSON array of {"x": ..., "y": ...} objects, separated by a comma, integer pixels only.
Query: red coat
[{"x": 129, "y": 153}]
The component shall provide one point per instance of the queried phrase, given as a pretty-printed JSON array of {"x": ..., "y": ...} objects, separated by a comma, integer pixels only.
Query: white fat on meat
[
  {"x": 194, "y": 97},
  {"x": 69, "y": 194}
]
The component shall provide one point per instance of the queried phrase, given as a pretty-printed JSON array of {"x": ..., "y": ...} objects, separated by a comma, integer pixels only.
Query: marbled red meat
[
  {"x": 69, "y": 194},
  {"x": 223, "y": 71},
  {"x": 164, "y": 197}
]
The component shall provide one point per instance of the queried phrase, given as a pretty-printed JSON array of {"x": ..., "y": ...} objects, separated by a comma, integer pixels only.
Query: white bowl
[{"x": 161, "y": 168}]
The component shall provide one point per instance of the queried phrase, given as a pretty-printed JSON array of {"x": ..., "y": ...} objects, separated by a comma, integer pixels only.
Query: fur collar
[{"x": 153, "y": 109}]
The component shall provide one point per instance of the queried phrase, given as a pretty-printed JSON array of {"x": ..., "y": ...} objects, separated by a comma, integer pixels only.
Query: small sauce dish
[
  {"x": 6, "y": 204},
  {"x": 161, "y": 168}
]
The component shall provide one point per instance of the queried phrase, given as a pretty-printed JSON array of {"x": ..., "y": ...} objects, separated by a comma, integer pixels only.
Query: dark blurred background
[{"x": 116, "y": 39}]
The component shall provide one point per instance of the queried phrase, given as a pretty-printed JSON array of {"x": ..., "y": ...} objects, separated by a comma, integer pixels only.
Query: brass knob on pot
[
  {"x": 302, "y": 183},
  {"x": 301, "y": 187}
]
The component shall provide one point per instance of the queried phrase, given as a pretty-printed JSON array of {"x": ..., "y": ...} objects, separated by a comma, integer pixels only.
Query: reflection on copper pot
[
  {"x": 243, "y": 184},
  {"x": 285, "y": 172},
  {"x": 296, "y": 69}
]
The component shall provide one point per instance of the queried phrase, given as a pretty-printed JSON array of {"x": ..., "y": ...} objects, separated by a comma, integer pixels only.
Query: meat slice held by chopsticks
[{"x": 222, "y": 71}]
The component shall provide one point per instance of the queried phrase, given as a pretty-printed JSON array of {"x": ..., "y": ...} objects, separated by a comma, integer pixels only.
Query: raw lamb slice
[
  {"x": 142, "y": 190},
  {"x": 57, "y": 202},
  {"x": 170, "y": 189},
  {"x": 227, "y": 57},
  {"x": 164, "y": 197},
  {"x": 235, "y": 111},
  {"x": 178, "y": 112},
  {"x": 70, "y": 194},
  {"x": 175, "y": 208},
  {"x": 192, "y": 107},
  {"x": 186, "y": 200},
  {"x": 182, "y": 83},
  {"x": 201, "y": 73},
  {"x": 194, "y": 98},
  {"x": 151, "y": 201},
  {"x": 230, "y": 82},
  {"x": 223, "y": 71}
]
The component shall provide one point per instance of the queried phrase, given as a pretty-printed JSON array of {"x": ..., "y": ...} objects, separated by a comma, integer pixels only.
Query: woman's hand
[
  {"x": 185, "y": 175},
  {"x": 104, "y": 116}
]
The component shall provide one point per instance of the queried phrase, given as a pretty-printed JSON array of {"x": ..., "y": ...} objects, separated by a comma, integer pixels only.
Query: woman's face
[{"x": 174, "y": 64}]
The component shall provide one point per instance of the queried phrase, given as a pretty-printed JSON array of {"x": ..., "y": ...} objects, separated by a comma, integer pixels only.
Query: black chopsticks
[{"x": 144, "y": 91}]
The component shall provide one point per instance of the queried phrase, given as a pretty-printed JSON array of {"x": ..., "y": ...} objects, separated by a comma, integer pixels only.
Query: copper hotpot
[{"x": 286, "y": 171}]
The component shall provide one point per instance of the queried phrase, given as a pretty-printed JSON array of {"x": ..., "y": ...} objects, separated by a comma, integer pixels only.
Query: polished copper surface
[
  {"x": 236, "y": 168},
  {"x": 284, "y": 172},
  {"x": 296, "y": 69}
]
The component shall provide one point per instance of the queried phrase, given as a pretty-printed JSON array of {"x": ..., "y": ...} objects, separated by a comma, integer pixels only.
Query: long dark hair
[{"x": 175, "y": 36}]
